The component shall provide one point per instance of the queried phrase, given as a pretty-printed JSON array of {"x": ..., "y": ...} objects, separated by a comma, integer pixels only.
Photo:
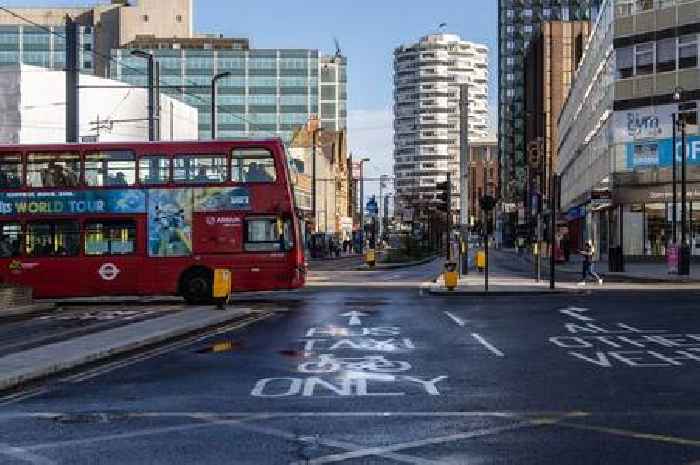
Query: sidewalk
[
  {"x": 635, "y": 272},
  {"x": 473, "y": 284},
  {"x": 34, "y": 364}
]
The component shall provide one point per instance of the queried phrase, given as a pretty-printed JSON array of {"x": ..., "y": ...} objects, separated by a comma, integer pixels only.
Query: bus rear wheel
[{"x": 196, "y": 287}]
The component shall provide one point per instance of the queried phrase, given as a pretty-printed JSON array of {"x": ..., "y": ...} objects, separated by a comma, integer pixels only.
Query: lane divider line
[
  {"x": 488, "y": 345},
  {"x": 454, "y": 318}
]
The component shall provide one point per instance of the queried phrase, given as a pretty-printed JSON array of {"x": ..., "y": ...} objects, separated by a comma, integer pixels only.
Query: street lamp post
[
  {"x": 362, "y": 202},
  {"x": 214, "y": 81},
  {"x": 151, "y": 94},
  {"x": 684, "y": 265}
]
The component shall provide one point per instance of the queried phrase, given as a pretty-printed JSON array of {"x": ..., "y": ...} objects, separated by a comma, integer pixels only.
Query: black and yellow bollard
[
  {"x": 221, "y": 290},
  {"x": 370, "y": 258},
  {"x": 450, "y": 276}
]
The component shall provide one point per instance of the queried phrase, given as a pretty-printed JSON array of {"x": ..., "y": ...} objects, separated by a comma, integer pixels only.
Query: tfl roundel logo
[{"x": 109, "y": 271}]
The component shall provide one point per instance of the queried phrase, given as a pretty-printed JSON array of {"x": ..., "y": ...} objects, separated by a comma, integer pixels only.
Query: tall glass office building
[
  {"x": 44, "y": 46},
  {"x": 270, "y": 92},
  {"x": 519, "y": 21}
]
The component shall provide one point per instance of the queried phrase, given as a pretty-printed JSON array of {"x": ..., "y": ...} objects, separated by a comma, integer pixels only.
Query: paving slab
[{"x": 33, "y": 364}]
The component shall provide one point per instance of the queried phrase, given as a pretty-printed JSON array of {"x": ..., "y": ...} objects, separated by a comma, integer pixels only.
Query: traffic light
[
  {"x": 533, "y": 155},
  {"x": 443, "y": 190}
]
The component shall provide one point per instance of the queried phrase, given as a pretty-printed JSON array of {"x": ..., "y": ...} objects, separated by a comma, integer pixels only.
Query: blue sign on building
[{"x": 658, "y": 152}]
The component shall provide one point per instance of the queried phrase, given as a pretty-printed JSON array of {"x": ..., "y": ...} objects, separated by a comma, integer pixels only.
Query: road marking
[
  {"x": 488, "y": 345},
  {"x": 354, "y": 317},
  {"x": 24, "y": 455},
  {"x": 455, "y": 319},
  {"x": 634, "y": 434},
  {"x": 316, "y": 440},
  {"x": 381, "y": 451},
  {"x": 575, "y": 312}
]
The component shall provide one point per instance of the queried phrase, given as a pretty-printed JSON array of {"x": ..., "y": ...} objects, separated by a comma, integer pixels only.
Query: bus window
[
  {"x": 200, "y": 169},
  {"x": 154, "y": 169},
  {"x": 10, "y": 171},
  {"x": 111, "y": 168},
  {"x": 110, "y": 237},
  {"x": 10, "y": 234},
  {"x": 253, "y": 165},
  {"x": 262, "y": 235},
  {"x": 53, "y": 239},
  {"x": 53, "y": 169}
]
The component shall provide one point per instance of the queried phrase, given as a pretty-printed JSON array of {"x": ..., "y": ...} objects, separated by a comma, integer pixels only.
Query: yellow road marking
[{"x": 633, "y": 434}]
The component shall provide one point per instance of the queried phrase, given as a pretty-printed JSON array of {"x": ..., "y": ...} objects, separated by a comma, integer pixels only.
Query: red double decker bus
[{"x": 148, "y": 218}]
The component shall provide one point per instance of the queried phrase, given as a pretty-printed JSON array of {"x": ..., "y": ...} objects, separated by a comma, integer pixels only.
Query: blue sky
[{"x": 368, "y": 31}]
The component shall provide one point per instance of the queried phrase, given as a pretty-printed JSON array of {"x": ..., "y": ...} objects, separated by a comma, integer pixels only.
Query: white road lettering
[
  {"x": 344, "y": 389},
  {"x": 600, "y": 359},
  {"x": 293, "y": 387},
  {"x": 575, "y": 312},
  {"x": 570, "y": 342},
  {"x": 429, "y": 385},
  {"x": 635, "y": 358}
]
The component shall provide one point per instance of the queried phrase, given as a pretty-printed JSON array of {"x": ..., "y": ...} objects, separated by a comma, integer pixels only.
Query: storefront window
[
  {"x": 656, "y": 226},
  {"x": 694, "y": 228}
]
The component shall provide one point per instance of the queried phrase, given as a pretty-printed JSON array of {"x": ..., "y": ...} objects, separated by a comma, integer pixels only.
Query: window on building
[
  {"x": 53, "y": 169},
  {"x": 200, "y": 169},
  {"x": 154, "y": 169},
  {"x": 10, "y": 240},
  {"x": 110, "y": 237},
  {"x": 688, "y": 51},
  {"x": 53, "y": 239},
  {"x": 644, "y": 59},
  {"x": 666, "y": 55},
  {"x": 178, "y": 18},
  {"x": 268, "y": 234},
  {"x": 644, "y": 5},
  {"x": 10, "y": 171},
  {"x": 253, "y": 165},
  {"x": 625, "y": 62},
  {"x": 688, "y": 112},
  {"x": 110, "y": 168},
  {"x": 145, "y": 18}
]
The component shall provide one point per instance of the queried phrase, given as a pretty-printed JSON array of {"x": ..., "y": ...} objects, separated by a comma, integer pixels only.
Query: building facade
[
  {"x": 640, "y": 68},
  {"x": 427, "y": 76},
  {"x": 550, "y": 63},
  {"x": 332, "y": 189},
  {"x": 103, "y": 27},
  {"x": 34, "y": 102},
  {"x": 519, "y": 21},
  {"x": 270, "y": 92},
  {"x": 483, "y": 175}
]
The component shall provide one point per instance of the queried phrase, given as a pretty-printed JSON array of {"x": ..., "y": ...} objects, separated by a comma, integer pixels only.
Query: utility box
[
  {"x": 450, "y": 276},
  {"x": 222, "y": 283}
]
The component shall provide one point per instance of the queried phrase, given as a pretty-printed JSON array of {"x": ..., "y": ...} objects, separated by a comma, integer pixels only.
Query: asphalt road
[{"x": 362, "y": 368}]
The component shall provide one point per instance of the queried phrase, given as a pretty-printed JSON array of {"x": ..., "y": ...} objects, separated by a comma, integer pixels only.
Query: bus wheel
[{"x": 196, "y": 286}]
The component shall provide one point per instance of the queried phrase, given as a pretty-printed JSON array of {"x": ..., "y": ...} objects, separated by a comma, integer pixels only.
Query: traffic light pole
[{"x": 449, "y": 215}]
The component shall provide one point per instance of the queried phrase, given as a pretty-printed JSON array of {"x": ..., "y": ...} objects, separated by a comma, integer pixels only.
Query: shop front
[{"x": 648, "y": 220}]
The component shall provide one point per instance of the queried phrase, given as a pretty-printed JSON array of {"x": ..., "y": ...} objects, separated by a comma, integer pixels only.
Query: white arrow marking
[
  {"x": 354, "y": 317},
  {"x": 575, "y": 312},
  {"x": 455, "y": 318}
]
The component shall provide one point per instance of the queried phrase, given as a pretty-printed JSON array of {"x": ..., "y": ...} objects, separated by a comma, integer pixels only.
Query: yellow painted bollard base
[
  {"x": 451, "y": 279},
  {"x": 221, "y": 289},
  {"x": 481, "y": 260},
  {"x": 370, "y": 258}
]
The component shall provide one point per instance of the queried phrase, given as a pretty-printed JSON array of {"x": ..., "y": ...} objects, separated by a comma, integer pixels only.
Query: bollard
[
  {"x": 450, "y": 276},
  {"x": 370, "y": 258},
  {"x": 221, "y": 290}
]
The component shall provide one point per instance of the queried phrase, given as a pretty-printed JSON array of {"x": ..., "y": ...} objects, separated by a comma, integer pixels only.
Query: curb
[
  {"x": 27, "y": 309},
  {"x": 23, "y": 374},
  {"x": 445, "y": 292}
]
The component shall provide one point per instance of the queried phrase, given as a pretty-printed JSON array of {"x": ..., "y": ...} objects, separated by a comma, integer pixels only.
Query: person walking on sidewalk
[{"x": 588, "y": 253}]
